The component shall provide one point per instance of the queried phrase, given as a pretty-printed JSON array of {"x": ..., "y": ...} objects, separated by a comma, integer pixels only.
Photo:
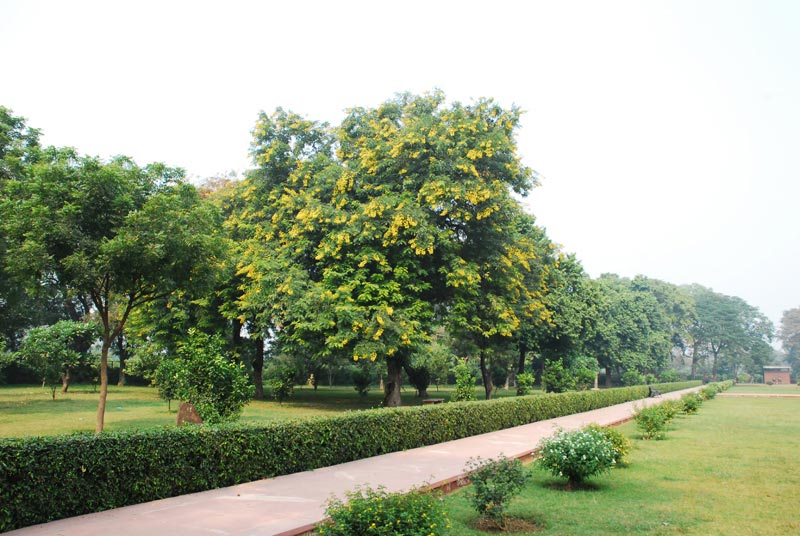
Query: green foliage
[
  {"x": 361, "y": 380},
  {"x": 691, "y": 403},
  {"x": 41, "y": 479},
  {"x": 651, "y": 421},
  {"x": 281, "y": 379},
  {"x": 465, "y": 383},
  {"x": 213, "y": 384},
  {"x": 577, "y": 454},
  {"x": 494, "y": 484},
  {"x": 167, "y": 378},
  {"x": 670, "y": 375},
  {"x": 377, "y": 512},
  {"x": 709, "y": 391},
  {"x": 632, "y": 377},
  {"x": 620, "y": 442},
  {"x": 419, "y": 377},
  {"x": 525, "y": 383},
  {"x": 52, "y": 351}
]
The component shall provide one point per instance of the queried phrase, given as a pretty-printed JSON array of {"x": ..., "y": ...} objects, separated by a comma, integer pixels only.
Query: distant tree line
[{"x": 391, "y": 245}]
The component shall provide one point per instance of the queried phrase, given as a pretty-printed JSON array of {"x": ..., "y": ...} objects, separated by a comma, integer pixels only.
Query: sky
[{"x": 666, "y": 133}]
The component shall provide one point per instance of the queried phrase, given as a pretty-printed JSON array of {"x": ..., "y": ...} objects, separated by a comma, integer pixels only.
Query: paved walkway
[{"x": 290, "y": 505}]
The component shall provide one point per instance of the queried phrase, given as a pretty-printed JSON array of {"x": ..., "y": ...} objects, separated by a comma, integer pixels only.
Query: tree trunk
[
  {"x": 391, "y": 389},
  {"x": 65, "y": 381},
  {"x": 523, "y": 351},
  {"x": 609, "y": 384},
  {"x": 123, "y": 357},
  {"x": 486, "y": 374},
  {"x": 258, "y": 368},
  {"x": 101, "y": 404}
]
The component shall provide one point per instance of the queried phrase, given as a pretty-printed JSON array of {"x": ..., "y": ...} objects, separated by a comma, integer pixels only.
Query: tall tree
[
  {"x": 357, "y": 254},
  {"x": 790, "y": 335},
  {"x": 729, "y": 331},
  {"x": 120, "y": 234}
]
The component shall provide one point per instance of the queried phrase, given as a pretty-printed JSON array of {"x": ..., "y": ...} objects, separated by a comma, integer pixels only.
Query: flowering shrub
[
  {"x": 494, "y": 484},
  {"x": 577, "y": 455},
  {"x": 380, "y": 513},
  {"x": 691, "y": 403},
  {"x": 709, "y": 391},
  {"x": 620, "y": 442},
  {"x": 651, "y": 421}
]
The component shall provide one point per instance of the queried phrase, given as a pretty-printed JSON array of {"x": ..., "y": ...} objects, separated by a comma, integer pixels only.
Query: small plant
[
  {"x": 361, "y": 380},
  {"x": 671, "y": 409},
  {"x": 652, "y": 421},
  {"x": 525, "y": 383},
  {"x": 280, "y": 379},
  {"x": 620, "y": 442},
  {"x": 669, "y": 376},
  {"x": 465, "y": 383},
  {"x": 577, "y": 455},
  {"x": 709, "y": 391},
  {"x": 691, "y": 403},
  {"x": 494, "y": 484},
  {"x": 380, "y": 513}
]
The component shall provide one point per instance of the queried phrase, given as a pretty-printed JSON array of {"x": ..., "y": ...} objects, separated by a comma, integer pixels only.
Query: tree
[
  {"x": 790, "y": 336},
  {"x": 352, "y": 254},
  {"x": 116, "y": 233},
  {"x": 53, "y": 351},
  {"x": 729, "y": 331}
]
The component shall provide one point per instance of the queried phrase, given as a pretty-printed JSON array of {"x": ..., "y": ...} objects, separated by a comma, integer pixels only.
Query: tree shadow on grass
[
  {"x": 513, "y": 525},
  {"x": 561, "y": 485}
]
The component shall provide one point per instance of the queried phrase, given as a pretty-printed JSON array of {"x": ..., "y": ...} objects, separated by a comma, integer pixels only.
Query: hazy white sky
[{"x": 667, "y": 133}]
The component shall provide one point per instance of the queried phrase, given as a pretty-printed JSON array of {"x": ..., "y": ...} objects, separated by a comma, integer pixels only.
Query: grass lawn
[
  {"x": 760, "y": 388},
  {"x": 29, "y": 410},
  {"x": 730, "y": 469}
]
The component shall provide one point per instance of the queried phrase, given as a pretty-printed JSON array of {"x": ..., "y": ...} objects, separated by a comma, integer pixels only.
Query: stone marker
[{"x": 187, "y": 413}]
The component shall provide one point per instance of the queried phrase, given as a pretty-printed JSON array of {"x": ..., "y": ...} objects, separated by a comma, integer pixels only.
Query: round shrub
[
  {"x": 633, "y": 377},
  {"x": 380, "y": 513},
  {"x": 494, "y": 484},
  {"x": 691, "y": 403},
  {"x": 525, "y": 382},
  {"x": 577, "y": 455},
  {"x": 652, "y": 421}
]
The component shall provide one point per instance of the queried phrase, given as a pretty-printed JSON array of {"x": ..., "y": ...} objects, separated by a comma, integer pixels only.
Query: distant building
[{"x": 778, "y": 375}]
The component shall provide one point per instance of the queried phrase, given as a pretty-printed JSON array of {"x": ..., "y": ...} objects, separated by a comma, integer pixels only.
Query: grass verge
[{"x": 730, "y": 469}]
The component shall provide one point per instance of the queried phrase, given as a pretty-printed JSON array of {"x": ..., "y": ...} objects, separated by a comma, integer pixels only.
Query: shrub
[
  {"x": 494, "y": 484},
  {"x": 167, "y": 379},
  {"x": 691, "y": 403},
  {"x": 577, "y": 455},
  {"x": 709, "y": 391},
  {"x": 670, "y": 375},
  {"x": 379, "y": 513},
  {"x": 632, "y": 377},
  {"x": 525, "y": 383},
  {"x": 217, "y": 387},
  {"x": 670, "y": 409},
  {"x": 420, "y": 378},
  {"x": 651, "y": 421},
  {"x": 280, "y": 379},
  {"x": 361, "y": 380},
  {"x": 465, "y": 383},
  {"x": 620, "y": 442}
]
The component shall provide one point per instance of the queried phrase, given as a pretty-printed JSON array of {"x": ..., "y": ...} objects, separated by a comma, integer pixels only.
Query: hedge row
[{"x": 48, "y": 478}]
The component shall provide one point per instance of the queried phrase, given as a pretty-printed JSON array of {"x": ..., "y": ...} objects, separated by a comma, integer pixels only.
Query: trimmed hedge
[{"x": 48, "y": 478}]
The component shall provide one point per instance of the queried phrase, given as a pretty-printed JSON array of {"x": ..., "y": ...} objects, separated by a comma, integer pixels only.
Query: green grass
[
  {"x": 730, "y": 469},
  {"x": 756, "y": 388},
  {"x": 29, "y": 410}
]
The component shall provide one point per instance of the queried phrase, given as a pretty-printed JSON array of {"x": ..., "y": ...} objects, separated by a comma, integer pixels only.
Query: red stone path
[{"x": 290, "y": 505}]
